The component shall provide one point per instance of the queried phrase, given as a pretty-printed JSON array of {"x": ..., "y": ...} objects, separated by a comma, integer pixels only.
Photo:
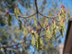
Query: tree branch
[
  {"x": 52, "y": 17},
  {"x": 36, "y": 6},
  {"x": 37, "y": 13},
  {"x": 58, "y": 36},
  {"x": 27, "y": 16}
]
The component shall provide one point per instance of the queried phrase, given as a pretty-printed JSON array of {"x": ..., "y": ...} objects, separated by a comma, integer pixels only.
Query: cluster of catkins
[{"x": 50, "y": 31}]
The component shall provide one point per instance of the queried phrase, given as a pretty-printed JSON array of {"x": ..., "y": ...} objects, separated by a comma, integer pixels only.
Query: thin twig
[
  {"x": 27, "y": 16},
  {"x": 52, "y": 17}
]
